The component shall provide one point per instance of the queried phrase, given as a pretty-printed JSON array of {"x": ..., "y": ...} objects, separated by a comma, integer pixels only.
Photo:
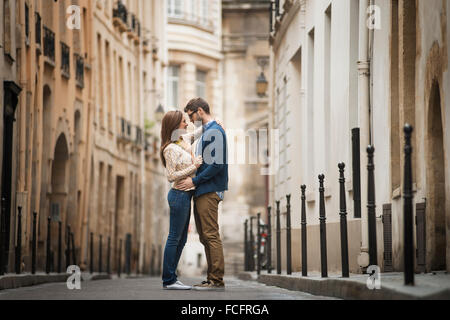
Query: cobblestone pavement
[{"x": 151, "y": 289}]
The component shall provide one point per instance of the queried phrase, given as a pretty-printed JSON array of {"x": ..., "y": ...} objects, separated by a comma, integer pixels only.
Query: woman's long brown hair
[{"x": 170, "y": 123}]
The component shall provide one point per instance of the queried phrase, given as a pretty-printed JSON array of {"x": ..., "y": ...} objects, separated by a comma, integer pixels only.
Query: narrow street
[{"x": 150, "y": 289}]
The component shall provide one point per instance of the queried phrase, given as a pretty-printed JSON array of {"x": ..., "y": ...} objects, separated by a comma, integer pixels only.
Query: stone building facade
[
  {"x": 345, "y": 75},
  {"x": 126, "y": 176},
  {"x": 10, "y": 91},
  {"x": 84, "y": 144}
]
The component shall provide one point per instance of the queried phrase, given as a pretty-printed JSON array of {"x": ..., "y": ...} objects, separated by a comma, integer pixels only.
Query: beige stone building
[
  {"x": 363, "y": 69},
  {"x": 10, "y": 91},
  {"x": 84, "y": 147},
  {"x": 52, "y": 62},
  {"x": 125, "y": 175}
]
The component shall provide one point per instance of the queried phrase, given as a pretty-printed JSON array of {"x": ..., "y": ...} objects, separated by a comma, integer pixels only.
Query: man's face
[{"x": 195, "y": 117}]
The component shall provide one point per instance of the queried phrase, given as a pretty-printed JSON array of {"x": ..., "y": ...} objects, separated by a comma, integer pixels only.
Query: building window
[
  {"x": 194, "y": 14},
  {"x": 200, "y": 84},
  {"x": 174, "y": 7},
  {"x": 205, "y": 12},
  {"x": 7, "y": 28},
  {"x": 173, "y": 86}
]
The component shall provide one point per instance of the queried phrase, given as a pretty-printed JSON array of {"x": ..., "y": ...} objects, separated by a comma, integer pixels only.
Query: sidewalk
[
  {"x": 427, "y": 286},
  {"x": 13, "y": 281}
]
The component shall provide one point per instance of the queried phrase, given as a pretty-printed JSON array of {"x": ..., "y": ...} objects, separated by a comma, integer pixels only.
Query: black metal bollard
[
  {"x": 74, "y": 256},
  {"x": 343, "y": 214},
  {"x": 288, "y": 236},
  {"x": 92, "y": 253},
  {"x": 304, "y": 234},
  {"x": 2, "y": 236},
  {"x": 258, "y": 247},
  {"x": 108, "y": 256},
  {"x": 356, "y": 158},
  {"x": 67, "y": 247},
  {"x": 408, "y": 230},
  {"x": 373, "y": 260},
  {"x": 119, "y": 268},
  {"x": 33, "y": 244},
  {"x": 252, "y": 246},
  {"x": 246, "y": 245},
  {"x": 278, "y": 239},
  {"x": 100, "y": 254},
  {"x": 269, "y": 240},
  {"x": 49, "y": 238},
  {"x": 323, "y": 229},
  {"x": 19, "y": 241},
  {"x": 59, "y": 246}
]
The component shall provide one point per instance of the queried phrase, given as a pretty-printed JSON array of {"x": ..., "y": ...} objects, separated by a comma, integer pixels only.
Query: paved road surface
[{"x": 151, "y": 289}]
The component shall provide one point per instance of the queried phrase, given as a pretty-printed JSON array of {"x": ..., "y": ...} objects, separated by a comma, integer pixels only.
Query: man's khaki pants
[{"x": 206, "y": 221}]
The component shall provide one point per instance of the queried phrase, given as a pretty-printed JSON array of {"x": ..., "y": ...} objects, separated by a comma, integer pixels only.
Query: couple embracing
[{"x": 200, "y": 175}]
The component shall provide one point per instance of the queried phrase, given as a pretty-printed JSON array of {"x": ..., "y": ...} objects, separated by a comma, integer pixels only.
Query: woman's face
[{"x": 183, "y": 124}]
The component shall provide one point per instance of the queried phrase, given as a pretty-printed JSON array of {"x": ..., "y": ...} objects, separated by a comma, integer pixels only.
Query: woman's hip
[{"x": 179, "y": 198}]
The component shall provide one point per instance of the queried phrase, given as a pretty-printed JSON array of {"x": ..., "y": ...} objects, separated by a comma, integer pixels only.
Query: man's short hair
[{"x": 197, "y": 103}]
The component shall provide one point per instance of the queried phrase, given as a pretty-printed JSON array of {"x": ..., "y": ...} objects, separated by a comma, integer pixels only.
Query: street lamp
[
  {"x": 261, "y": 85},
  {"x": 159, "y": 114}
]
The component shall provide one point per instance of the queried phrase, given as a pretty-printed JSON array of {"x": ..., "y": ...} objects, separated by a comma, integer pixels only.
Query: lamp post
[{"x": 261, "y": 85}]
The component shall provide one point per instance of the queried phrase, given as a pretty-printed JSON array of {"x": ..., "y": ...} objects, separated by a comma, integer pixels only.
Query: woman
[{"x": 180, "y": 164}]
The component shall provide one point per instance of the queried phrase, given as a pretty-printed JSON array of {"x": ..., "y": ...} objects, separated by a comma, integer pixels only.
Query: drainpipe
[
  {"x": 142, "y": 167},
  {"x": 364, "y": 123}
]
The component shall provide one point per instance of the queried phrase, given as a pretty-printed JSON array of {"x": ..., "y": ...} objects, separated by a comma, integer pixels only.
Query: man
[{"x": 211, "y": 182}]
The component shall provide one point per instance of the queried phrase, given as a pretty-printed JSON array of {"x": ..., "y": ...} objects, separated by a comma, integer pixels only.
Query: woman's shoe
[{"x": 177, "y": 286}]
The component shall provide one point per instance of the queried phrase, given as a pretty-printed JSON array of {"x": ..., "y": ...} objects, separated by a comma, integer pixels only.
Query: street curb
[
  {"x": 340, "y": 288},
  {"x": 27, "y": 280}
]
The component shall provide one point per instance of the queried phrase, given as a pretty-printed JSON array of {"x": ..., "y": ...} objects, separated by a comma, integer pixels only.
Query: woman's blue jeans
[{"x": 180, "y": 213}]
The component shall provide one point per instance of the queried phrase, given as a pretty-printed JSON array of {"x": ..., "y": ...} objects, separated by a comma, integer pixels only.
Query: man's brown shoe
[{"x": 208, "y": 286}]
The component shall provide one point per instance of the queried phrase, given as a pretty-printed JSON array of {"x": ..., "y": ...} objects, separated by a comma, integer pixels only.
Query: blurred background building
[{"x": 217, "y": 51}]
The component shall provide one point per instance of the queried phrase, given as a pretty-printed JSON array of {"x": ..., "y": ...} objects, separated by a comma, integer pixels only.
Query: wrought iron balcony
[
  {"x": 38, "y": 27},
  {"x": 120, "y": 16},
  {"x": 79, "y": 70},
  {"x": 65, "y": 60},
  {"x": 135, "y": 25},
  {"x": 27, "y": 23},
  {"x": 49, "y": 44},
  {"x": 138, "y": 138},
  {"x": 147, "y": 143}
]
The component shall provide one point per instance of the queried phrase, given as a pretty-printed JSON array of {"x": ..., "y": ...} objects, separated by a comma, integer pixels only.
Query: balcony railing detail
[
  {"x": 38, "y": 27},
  {"x": 120, "y": 16},
  {"x": 27, "y": 23},
  {"x": 65, "y": 59},
  {"x": 49, "y": 44},
  {"x": 79, "y": 68}
]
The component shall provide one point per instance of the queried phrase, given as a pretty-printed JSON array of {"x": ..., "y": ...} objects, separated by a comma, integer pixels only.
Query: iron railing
[
  {"x": 79, "y": 70},
  {"x": 49, "y": 44},
  {"x": 65, "y": 59},
  {"x": 250, "y": 243}
]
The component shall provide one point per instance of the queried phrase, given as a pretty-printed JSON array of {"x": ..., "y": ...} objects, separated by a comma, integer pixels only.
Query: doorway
[{"x": 436, "y": 221}]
